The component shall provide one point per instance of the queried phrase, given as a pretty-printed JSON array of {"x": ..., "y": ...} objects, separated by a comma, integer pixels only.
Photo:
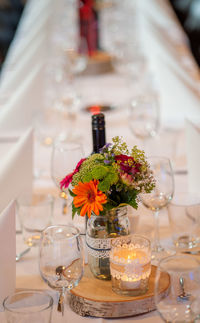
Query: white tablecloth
[{"x": 178, "y": 84}]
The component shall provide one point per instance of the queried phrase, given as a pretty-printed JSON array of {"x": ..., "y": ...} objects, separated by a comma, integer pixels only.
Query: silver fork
[{"x": 21, "y": 254}]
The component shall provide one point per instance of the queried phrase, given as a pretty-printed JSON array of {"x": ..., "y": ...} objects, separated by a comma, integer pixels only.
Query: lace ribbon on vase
[{"x": 100, "y": 248}]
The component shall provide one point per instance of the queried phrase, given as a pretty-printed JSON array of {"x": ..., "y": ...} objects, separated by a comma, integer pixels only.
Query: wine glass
[
  {"x": 61, "y": 259},
  {"x": 144, "y": 117},
  {"x": 64, "y": 158},
  {"x": 180, "y": 300},
  {"x": 76, "y": 56},
  {"x": 159, "y": 197},
  {"x": 128, "y": 59}
]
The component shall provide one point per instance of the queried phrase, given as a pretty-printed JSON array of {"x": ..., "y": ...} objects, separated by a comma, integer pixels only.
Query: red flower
[
  {"x": 68, "y": 179},
  {"x": 127, "y": 164}
]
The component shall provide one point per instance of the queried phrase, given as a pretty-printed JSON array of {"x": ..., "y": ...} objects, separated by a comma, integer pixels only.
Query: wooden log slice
[{"x": 94, "y": 297}]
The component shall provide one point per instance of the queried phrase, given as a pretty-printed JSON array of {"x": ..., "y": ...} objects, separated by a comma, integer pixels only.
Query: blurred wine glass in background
[
  {"x": 64, "y": 158},
  {"x": 122, "y": 39},
  {"x": 144, "y": 117},
  {"x": 128, "y": 59},
  {"x": 76, "y": 53},
  {"x": 56, "y": 122}
]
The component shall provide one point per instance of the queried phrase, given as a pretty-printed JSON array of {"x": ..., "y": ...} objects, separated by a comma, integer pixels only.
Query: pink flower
[
  {"x": 127, "y": 164},
  {"x": 78, "y": 166},
  {"x": 68, "y": 179},
  {"x": 126, "y": 179}
]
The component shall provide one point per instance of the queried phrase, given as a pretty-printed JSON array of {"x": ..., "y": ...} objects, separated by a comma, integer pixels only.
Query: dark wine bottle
[
  {"x": 98, "y": 132},
  {"x": 98, "y": 138}
]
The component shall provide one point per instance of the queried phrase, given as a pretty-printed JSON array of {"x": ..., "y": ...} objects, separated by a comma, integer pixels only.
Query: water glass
[
  {"x": 180, "y": 302},
  {"x": 184, "y": 219},
  {"x": 35, "y": 214},
  {"x": 28, "y": 306}
]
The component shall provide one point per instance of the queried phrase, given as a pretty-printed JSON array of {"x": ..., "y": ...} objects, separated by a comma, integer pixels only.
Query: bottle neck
[{"x": 99, "y": 139}]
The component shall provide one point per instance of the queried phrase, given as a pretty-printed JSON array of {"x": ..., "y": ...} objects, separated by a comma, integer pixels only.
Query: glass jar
[{"x": 100, "y": 231}]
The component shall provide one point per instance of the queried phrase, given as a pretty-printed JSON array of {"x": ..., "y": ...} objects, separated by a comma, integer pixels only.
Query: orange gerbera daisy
[{"x": 89, "y": 198}]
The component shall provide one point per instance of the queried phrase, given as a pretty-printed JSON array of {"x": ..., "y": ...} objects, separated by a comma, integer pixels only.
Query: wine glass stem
[
  {"x": 157, "y": 246},
  {"x": 64, "y": 211},
  {"x": 60, "y": 307},
  {"x": 64, "y": 196}
]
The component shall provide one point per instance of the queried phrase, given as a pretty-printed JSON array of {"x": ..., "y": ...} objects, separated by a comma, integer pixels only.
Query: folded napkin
[
  {"x": 15, "y": 167},
  {"x": 193, "y": 154},
  {"x": 7, "y": 252},
  {"x": 175, "y": 108}
]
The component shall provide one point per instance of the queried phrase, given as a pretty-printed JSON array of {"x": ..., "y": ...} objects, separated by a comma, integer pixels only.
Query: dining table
[{"x": 37, "y": 80}]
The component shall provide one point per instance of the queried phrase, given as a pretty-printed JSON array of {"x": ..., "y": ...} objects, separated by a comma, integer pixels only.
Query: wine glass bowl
[
  {"x": 127, "y": 58},
  {"x": 164, "y": 185},
  {"x": 76, "y": 57},
  {"x": 180, "y": 303},
  {"x": 144, "y": 116},
  {"x": 65, "y": 156},
  {"x": 155, "y": 202},
  {"x": 61, "y": 259}
]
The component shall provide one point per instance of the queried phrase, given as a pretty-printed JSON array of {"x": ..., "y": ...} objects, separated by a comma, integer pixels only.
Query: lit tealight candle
[{"x": 130, "y": 266}]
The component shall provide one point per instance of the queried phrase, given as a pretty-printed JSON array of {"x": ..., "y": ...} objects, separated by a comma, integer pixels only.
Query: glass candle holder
[
  {"x": 28, "y": 306},
  {"x": 130, "y": 265}
]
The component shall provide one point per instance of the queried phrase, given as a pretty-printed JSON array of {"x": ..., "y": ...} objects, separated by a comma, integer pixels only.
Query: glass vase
[{"x": 100, "y": 231}]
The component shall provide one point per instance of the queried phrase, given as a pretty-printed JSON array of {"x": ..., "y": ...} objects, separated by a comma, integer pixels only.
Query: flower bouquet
[
  {"x": 110, "y": 179},
  {"x": 102, "y": 185}
]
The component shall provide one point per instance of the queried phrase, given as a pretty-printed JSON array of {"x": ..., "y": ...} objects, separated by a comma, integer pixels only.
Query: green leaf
[
  {"x": 125, "y": 197},
  {"x": 87, "y": 178},
  {"x": 133, "y": 203},
  {"x": 108, "y": 181},
  {"x": 71, "y": 193},
  {"x": 99, "y": 172},
  {"x": 130, "y": 198},
  {"x": 74, "y": 210},
  {"x": 110, "y": 205}
]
